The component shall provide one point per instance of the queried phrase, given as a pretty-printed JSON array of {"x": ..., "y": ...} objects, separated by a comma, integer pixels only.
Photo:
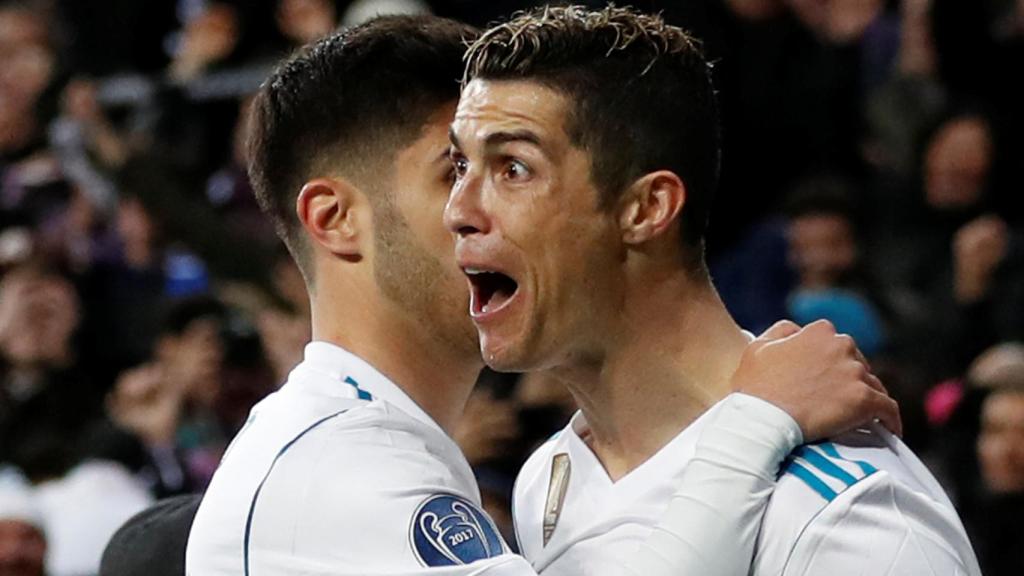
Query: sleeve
[
  {"x": 368, "y": 502},
  {"x": 711, "y": 525},
  {"x": 879, "y": 528}
]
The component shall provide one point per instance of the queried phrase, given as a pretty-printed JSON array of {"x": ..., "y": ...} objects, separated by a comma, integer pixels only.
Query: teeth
[{"x": 475, "y": 271}]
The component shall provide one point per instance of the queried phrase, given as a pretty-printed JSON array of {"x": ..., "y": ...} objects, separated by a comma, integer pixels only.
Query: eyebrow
[{"x": 496, "y": 139}]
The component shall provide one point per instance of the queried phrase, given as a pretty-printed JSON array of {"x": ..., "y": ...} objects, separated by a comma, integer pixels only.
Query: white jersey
[
  {"x": 862, "y": 504},
  {"x": 340, "y": 473}
]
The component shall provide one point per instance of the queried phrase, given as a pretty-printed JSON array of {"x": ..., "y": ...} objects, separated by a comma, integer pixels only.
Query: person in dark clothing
[
  {"x": 995, "y": 525},
  {"x": 47, "y": 397}
]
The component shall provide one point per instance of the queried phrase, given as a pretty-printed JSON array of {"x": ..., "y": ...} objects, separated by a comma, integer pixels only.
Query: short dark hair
[
  {"x": 823, "y": 194},
  {"x": 180, "y": 314},
  {"x": 354, "y": 97},
  {"x": 641, "y": 94}
]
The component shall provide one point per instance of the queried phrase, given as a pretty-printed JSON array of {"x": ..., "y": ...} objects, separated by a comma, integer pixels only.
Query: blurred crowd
[{"x": 872, "y": 151}]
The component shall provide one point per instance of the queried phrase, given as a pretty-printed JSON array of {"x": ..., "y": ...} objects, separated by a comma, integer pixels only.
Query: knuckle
[
  {"x": 824, "y": 326},
  {"x": 864, "y": 396},
  {"x": 845, "y": 343}
]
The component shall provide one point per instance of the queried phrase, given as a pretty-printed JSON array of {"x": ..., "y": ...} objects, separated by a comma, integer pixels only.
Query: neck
[
  {"x": 672, "y": 357},
  {"x": 436, "y": 375}
]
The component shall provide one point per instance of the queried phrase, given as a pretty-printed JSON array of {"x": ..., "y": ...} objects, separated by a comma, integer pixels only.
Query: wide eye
[
  {"x": 516, "y": 170},
  {"x": 459, "y": 165}
]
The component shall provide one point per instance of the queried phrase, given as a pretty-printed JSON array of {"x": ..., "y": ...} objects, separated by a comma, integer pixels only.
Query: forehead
[
  {"x": 1005, "y": 406},
  {"x": 488, "y": 106}
]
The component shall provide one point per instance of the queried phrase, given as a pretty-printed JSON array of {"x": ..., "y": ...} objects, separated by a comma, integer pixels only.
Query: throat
[{"x": 622, "y": 447}]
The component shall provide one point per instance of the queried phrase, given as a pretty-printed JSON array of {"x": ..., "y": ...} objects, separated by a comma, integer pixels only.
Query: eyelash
[
  {"x": 459, "y": 167},
  {"x": 511, "y": 162}
]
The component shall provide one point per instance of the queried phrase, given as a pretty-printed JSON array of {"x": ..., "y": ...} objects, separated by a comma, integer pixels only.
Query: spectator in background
[
  {"x": 231, "y": 197},
  {"x": 954, "y": 257},
  {"x": 82, "y": 510},
  {"x": 304, "y": 21},
  {"x": 124, "y": 290},
  {"x": 360, "y": 11},
  {"x": 22, "y": 532},
  {"x": 284, "y": 328},
  {"x": 995, "y": 522},
  {"x": 29, "y": 68},
  {"x": 824, "y": 252},
  {"x": 47, "y": 394},
  {"x": 208, "y": 39},
  {"x": 170, "y": 404}
]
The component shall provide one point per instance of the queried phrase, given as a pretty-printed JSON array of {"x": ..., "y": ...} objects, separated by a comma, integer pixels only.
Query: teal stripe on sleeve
[
  {"x": 811, "y": 480},
  {"x": 826, "y": 465},
  {"x": 830, "y": 449}
]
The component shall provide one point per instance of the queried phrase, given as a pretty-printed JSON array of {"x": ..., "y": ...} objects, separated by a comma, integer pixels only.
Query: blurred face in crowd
[
  {"x": 194, "y": 359},
  {"x": 1001, "y": 443},
  {"x": 214, "y": 33},
  {"x": 38, "y": 316},
  {"x": 838, "y": 21},
  {"x": 755, "y": 9},
  {"x": 822, "y": 248},
  {"x": 303, "y": 21},
  {"x": 539, "y": 250},
  {"x": 22, "y": 549},
  {"x": 957, "y": 163},
  {"x": 412, "y": 263},
  {"x": 27, "y": 57}
]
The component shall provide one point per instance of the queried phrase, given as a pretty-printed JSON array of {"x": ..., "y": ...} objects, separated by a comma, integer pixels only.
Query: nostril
[{"x": 466, "y": 230}]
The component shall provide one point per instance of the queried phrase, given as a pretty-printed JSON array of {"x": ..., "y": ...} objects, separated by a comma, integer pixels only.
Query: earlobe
[
  {"x": 652, "y": 206},
  {"x": 329, "y": 212}
]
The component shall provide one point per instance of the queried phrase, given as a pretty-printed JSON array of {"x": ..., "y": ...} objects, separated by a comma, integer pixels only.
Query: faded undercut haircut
[
  {"x": 640, "y": 94},
  {"x": 344, "y": 106}
]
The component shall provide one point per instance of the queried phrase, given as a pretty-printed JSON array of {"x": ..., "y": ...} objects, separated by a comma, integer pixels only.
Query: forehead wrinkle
[
  {"x": 512, "y": 102},
  {"x": 497, "y": 126}
]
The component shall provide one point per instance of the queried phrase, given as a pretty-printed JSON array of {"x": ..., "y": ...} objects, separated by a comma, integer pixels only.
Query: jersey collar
[{"x": 351, "y": 370}]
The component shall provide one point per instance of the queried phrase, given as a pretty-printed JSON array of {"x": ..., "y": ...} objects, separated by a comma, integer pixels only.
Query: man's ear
[
  {"x": 651, "y": 206},
  {"x": 331, "y": 212}
]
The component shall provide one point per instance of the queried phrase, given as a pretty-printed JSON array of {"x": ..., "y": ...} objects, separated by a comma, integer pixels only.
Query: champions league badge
[{"x": 450, "y": 531}]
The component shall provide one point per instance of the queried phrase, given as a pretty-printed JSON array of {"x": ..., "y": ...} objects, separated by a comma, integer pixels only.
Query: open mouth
[{"x": 490, "y": 291}]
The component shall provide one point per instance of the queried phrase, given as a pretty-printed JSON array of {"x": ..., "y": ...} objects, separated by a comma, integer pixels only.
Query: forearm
[{"x": 711, "y": 524}]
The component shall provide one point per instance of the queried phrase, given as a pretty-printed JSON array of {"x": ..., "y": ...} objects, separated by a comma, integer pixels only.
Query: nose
[{"x": 464, "y": 214}]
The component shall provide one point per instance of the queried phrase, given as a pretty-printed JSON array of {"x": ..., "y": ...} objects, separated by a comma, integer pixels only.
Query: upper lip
[{"x": 472, "y": 260}]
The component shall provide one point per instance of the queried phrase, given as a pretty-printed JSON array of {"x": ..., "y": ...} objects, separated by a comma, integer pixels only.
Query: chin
[{"x": 509, "y": 356}]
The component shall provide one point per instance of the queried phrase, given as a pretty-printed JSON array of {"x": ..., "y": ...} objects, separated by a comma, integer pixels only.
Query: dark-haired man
[
  {"x": 586, "y": 153},
  {"x": 349, "y": 468}
]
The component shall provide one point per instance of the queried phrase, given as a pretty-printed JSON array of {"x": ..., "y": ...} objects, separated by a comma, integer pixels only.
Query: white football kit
[
  {"x": 860, "y": 505},
  {"x": 341, "y": 473}
]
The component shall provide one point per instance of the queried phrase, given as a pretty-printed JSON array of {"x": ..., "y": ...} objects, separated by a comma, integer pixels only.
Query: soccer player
[
  {"x": 349, "y": 468},
  {"x": 586, "y": 153}
]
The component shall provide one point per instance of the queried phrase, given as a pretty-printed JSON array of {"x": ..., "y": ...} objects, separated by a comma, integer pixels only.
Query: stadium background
[{"x": 873, "y": 164}]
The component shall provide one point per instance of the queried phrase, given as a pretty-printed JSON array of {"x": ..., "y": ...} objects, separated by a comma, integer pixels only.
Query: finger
[
  {"x": 821, "y": 327},
  {"x": 887, "y": 411},
  {"x": 861, "y": 358},
  {"x": 779, "y": 330},
  {"x": 876, "y": 383}
]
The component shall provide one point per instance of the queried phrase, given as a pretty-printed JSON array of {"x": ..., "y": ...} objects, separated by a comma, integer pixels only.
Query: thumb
[{"x": 779, "y": 330}]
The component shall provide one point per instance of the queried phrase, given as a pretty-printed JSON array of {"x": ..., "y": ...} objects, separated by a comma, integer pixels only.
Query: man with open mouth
[
  {"x": 349, "y": 468},
  {"x": 586, "y": 147}
]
